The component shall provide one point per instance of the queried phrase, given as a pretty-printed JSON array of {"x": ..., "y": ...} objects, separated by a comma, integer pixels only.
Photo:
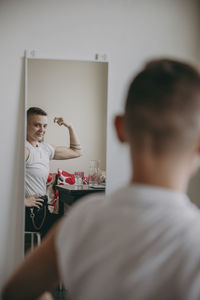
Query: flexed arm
[{"x": 62, "y": 152}]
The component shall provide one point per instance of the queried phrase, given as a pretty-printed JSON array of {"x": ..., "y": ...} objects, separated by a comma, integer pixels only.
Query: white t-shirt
[
  {"x": 142, "y": 242},
  {"x": 37, "y": 168}
]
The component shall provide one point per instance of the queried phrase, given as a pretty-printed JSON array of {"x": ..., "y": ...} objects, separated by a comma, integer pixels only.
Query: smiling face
[{"x": 36, "y": 128}]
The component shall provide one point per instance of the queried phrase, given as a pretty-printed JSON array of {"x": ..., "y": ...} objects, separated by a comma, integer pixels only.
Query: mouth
[{"x": 40, "y": 136}]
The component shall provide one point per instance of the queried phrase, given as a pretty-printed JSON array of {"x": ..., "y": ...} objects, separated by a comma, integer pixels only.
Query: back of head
[{"x": 163, "y": 107}]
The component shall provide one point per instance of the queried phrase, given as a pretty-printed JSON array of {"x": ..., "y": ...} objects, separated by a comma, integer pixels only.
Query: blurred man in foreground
[{"x": 143, "y": 241}]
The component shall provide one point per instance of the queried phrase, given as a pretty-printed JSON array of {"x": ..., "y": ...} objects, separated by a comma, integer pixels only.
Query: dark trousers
[{"x": 50, "y": 220}]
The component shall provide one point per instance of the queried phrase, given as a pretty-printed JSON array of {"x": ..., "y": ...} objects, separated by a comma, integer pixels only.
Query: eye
[{"x": 45, "y": 126}]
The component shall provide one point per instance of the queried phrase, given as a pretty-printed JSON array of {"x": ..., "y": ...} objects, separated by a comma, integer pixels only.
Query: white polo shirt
[{"x": 141, "y": 242}]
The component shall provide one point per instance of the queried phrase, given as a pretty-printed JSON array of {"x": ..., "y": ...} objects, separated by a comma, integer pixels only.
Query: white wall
[
  {"x": 128, "y": 31},
  {"x": 76, "y": 91}
]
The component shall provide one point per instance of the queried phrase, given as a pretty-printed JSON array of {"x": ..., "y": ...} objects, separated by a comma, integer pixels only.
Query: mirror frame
[{"x": 33, "y": 54}]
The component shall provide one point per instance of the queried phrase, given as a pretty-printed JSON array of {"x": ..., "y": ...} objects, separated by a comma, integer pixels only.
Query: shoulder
[
  {"x": 44, "y": 145},
  {"x": 87, "y": 213},
  {"x": 28, "y": 145},
  {"x": 49, "y": 148},
  {"x": 27, "y": 153},
  {"x": 87, "y": 206},
  {"x": 28, "y": 149},
  {"x": 95, "y": 203},
  {"x": 77, "y": 221}
]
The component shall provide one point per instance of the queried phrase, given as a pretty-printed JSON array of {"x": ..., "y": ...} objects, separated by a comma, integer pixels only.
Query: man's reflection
[{"x": 38, "y": 155}]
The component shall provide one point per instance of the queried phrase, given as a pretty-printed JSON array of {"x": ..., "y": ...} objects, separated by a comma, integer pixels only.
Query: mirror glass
[{"x": 77, "y": 92}]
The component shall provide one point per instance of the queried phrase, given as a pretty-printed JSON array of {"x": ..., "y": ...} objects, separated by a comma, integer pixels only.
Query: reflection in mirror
[{"x": 75, "y": 91}]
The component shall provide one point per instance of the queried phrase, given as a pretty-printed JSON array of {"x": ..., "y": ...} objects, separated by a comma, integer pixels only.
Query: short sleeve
[{"x": 50, "y": 150}]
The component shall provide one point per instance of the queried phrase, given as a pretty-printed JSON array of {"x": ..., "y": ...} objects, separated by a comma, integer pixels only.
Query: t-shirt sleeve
[{"x": 50, "y": 150}]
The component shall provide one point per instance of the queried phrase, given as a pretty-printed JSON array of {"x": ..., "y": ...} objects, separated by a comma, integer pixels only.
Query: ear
[{"x": 120, "y": 128}]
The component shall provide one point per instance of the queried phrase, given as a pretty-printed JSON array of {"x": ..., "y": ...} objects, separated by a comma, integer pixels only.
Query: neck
[
  {"x": 161, "y": 170},
  {"x": 32, "y": 142}
]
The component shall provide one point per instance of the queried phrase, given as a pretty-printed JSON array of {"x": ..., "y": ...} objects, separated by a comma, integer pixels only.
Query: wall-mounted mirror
[{"x": 76, "y": 91}]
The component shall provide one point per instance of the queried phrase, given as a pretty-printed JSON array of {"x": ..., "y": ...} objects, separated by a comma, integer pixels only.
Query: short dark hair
[
  {"x": 36, "y": 111},
  {"x": 163, "y": 106}
]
